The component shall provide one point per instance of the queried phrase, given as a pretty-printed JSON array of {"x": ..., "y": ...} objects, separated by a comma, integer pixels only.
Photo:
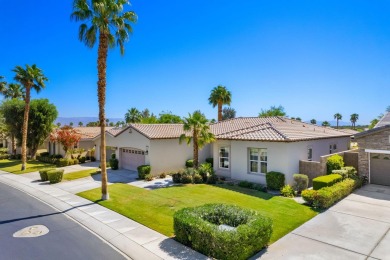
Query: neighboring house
[
  {"x": 374, "y": 152},
  {"x": 247, "y": 148},
  {"x": 153, "y": 144}
]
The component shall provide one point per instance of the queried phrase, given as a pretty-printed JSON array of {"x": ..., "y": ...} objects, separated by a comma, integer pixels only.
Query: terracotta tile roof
[
  {"x": 159, "y": 131},
  {"x": 385, "y": 120},
  {"x": 272, "y": 129},
  {"x": 88, "y": 133}
]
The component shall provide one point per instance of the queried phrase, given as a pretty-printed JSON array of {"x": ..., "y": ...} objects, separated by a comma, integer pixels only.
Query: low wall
[{"x": 314, "y": 169}]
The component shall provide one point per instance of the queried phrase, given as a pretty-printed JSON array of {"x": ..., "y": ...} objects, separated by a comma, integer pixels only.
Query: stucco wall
[{"x": 282, "y": 157}]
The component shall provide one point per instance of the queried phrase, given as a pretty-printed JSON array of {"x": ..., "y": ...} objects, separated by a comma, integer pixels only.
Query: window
[
  {"x": 224, "y": 157},
  {"x": 309, "y": 153},
  {"x": 257, "y": 160},
  {"x": 332, "y": 148}
]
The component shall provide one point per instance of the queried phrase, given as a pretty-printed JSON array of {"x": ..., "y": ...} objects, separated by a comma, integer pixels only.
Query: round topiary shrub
[
  {"x": 190, "y": 163},
  {"x": 143, "y": 170},
  {"x": 43, "y": 174},
  {"x": 275, "y": 180},
  {"x": 335, "y": 162},
  {"x": 55, "y": 176},
  {"x": 222, "y": 231}
]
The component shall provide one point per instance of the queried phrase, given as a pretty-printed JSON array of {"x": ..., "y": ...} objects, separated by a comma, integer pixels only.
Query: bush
[
  {"x": 287, "y": 191},
  {"x": 149, "y": 177},
  {"x": 55, "y": 176},
  {"x": 343, "y": 173},
  {"x": 190, "y": 163},
  {"x": 326, "y": 181},
  {"x": 176, "y": 177},
  {"x": 162, "y": 175},
  {"x": 210, "y": 161},
  {"x": 334, "y": 162},
  {"x": 143, "y": 170},
  {"x": 43, "y": 174},
  {"x": 351, "y": 171},
  {"x": 301, "y": 182},
  {"x": 212, "y": 179},
  {"x": 275, "y": 180},
  {"x": 63, "y": 162},
  {"x": 186, "y": 178},
  {"x": 205, "y": 170},
  {"x": 4, "y": 156},
  {"x": 75, "y": 161},
  {"x": 200, "y": 229},
  {"x": 44, "y": 154},
  {"x": 93, "y": 159},
  {"x": 82, "y": 159},
  {"x": 327, "y": 196},
  {"x": 114, "y": 162},
  {"x": 245, "y": 184},
  {"x": 197, "y": 178}
]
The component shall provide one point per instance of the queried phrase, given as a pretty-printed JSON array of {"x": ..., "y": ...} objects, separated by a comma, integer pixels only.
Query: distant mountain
[{"x": 85, "y": 120}]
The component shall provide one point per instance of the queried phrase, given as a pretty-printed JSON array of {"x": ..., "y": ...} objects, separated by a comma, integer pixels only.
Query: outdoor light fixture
[{"x": 147, "y": 150}]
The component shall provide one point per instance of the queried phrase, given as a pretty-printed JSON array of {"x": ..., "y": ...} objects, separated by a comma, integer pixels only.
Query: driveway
[{"x": 355, "y": 228}]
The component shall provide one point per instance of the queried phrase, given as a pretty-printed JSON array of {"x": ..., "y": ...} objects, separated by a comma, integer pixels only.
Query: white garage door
[
  {"x": 132, "y": 158},
  {"x": 380, "y": 169}
]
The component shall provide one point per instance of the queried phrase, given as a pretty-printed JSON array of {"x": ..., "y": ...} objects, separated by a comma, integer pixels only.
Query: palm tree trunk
[
  {"x": 24, "y": 128},
  {"x": 219, "y": 111},
  {"x": 102, "y": 65},
  {"x": 337, "y": 123},
  {"x": 196, "y": 151},
  {"x": 13, "y": 144}
]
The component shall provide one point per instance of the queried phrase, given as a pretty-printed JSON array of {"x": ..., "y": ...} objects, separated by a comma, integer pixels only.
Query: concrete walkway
[
  {"x": 355, "y": 228},
  {"x": 133, "y": 239}
]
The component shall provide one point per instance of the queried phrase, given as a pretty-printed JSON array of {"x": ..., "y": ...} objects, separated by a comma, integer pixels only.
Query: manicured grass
[
  {"x": 155, "y": 208},
  {"x": 13, "y": 166},
  {"x": 80, "y": 174}
]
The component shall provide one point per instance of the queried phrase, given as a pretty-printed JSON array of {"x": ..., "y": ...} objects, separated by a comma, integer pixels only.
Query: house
[
  {"x": 374, "y": 152},
  {"x": 248, "y": 147},
  {"x": 153, "y": 144}
]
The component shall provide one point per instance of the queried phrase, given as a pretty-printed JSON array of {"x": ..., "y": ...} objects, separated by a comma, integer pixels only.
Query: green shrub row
[
  {"x": 143, "y": 170},
  {"x": 327, "y": 196},
  {"x": 326, "y": 181},
  {"x": 200, "y": 228},
  {"x": 275, "y": 180},
  {"x": 66, "y": 162}
]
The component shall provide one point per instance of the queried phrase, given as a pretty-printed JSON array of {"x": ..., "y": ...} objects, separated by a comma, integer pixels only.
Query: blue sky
[{"x": 315, "y": 58}]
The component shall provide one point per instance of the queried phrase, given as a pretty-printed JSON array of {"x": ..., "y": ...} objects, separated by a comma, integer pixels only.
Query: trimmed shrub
[
  {"x": 287, "y": 191},
  {"x": 176, "y": 177},
  {"x": 82, "y": 159},
  {"x": 114, "y": 162},
  {"x": 205, "y": 170},
  {"x": 326, "y": 181},
  {"x": 197, "y": 178},
  {"x": 334, "y": 162},
  {"x": 4, "y": 156},
  {"x": 201, "y": 229},
  {"x": 343, "y": 173},
  {"x": 210, "y": 161},
  {"x": 43, "y": 174},
  {"x": 143, "y": 170},
  {"x": 63, "y": 162},
  {"x": 190, "y": 163},
  {"x": 275, "y": 180},
  {"x": 246, "y": 184},
  {"x": 149, "y": 177},
  {"x": 186, "y": 178},
  {"x": 301, "y": 182},
  {"x": 352, "y": 172},
  {"x": 327, "y": 196},
  {"x": 162, "y": 175},
  {"x": 212, "y": 179},
  {"x": 55, "y": 176}
]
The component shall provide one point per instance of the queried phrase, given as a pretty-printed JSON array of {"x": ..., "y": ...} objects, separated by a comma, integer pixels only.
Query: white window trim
[
  {"x": 259, "y": 161},
  {"x": 219, "y": 157}
]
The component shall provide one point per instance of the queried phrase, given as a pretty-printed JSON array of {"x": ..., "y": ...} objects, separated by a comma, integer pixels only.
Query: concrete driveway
[{"x": 355, "y": 228}]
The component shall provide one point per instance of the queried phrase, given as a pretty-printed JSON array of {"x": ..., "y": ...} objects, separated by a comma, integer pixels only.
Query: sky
[{"x": 315, "y": 58}]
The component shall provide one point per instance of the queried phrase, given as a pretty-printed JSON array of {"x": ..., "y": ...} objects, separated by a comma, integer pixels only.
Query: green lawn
[
  {"x": 80, "y": 174},
  {"x": 155, "y": 208},
  {"x": 13, "y": 166}
]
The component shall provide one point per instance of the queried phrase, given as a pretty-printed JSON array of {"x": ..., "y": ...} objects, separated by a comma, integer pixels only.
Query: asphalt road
[{"x": 66, "y": 239}]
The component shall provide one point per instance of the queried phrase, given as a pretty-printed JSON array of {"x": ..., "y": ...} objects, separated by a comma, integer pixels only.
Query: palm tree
[
  {"x": 354, "y": 118},
  {"x": 71, "y": 124},
  {"x": 2, "y": 84},
  {"x": 338, "y": 117},
  {"x": 13, "y": 90},
  {"x": 325, "y": 123},
  {"x": 133, "y": 115},
  {"x": 220, "y": 96},
  {"x": 80, "y": 124},
  {"x": 313, "y": 121},
  {"x": 30, "y": 77},
  {"x": 105, "y": 20},
  {"x": 200, "y": 134}
]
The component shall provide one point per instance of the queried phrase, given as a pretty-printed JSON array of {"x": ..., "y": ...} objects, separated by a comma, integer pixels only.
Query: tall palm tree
[
  {"x": 29, "y": 77},
  {"x": 200, "y": 133},
  {"x": 338, "y": 117},
  {"x": 354, "y": 118},
  {"x": 220, "y": 96},
  {"x": 133, "y": 115},
  {"x": 14, "y": 90},
  {"x": 106, "y": 21},
  {"x": 313, "y": 121},
  {"x": 3, "y": 84}
]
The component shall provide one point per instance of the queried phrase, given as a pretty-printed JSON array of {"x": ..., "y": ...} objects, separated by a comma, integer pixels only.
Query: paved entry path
[{"x": 355, "y": 228}]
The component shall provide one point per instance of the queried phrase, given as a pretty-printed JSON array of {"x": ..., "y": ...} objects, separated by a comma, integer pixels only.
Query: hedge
[
  {"x": 335, "y": 162},
  {"x": 4, "y": 156},
  {"x": 275, "y": 180},
  {"x": 327, "y": 196},
  {"x": 43, "y": 174},
  {"x": 55, "y": 176},
  {"x": 326, "y": 181},
  {"x": 143, "y": 170},
  {"x": 200, "y": 229},
  {"x": 64, "y": 162}
]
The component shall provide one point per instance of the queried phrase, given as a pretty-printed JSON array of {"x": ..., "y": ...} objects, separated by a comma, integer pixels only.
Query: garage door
[
  {"x": 132, "y": 158},
  {"x": 380, "y": 169}
]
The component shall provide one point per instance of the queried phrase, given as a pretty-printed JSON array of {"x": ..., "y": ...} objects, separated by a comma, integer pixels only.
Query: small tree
[
  {"x": 273, "y": 111},
  {"x": 67, "y": 137},
  {"x": 228, "y": 113},
  {"x": 80, "y": 124},
  {"x": 325, "y": 123},
  {"x": 313, "y": 121}
]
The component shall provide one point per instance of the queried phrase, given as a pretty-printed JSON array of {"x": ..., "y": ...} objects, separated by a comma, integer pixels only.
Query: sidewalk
[{"x": 133, "y": 239}]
